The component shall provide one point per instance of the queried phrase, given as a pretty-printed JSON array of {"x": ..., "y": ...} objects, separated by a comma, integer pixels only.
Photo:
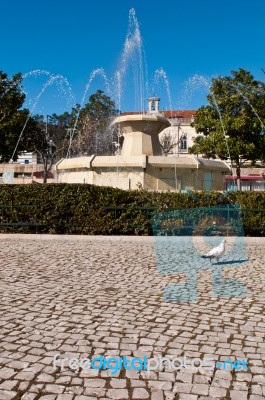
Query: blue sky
[{"x": 180, "y": 41}]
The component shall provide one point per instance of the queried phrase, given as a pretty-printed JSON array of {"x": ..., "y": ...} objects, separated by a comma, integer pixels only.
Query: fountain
[{"x": 141, "y": 163}]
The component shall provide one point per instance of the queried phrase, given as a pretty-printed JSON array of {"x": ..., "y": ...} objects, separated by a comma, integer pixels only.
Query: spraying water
[
  {"x": 133, "y": 52},
  {"x": 94, "y": 73},
  {"x": 61, "y": 82},
  {"x": 249, "y": 103},
  {"x": 132, "y": 55},
  {"x": 36, "y": 72},
  {"x": 160, "y": 73},
  {"x": 196, "y": 83},
  {"x": 50, "y": 81},
  {"x": 223, "y": 130}
]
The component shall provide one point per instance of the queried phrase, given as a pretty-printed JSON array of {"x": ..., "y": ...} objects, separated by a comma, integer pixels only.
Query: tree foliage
[
  {"x": 13, "y": 118},
  {"x": 94, "y": 132},
  {"x": 50, "y": 141},
  {"x": 233, "y": 124}
]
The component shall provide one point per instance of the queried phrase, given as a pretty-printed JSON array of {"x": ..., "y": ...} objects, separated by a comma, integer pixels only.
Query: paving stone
[
  {"x": 223, "y": 383},
  {"x": 7, "y": 395},
  {"x": 238, "y": 395},
  {"x": 45, "y": 378},
  {"x": 217, "y": 392},
  {"x": 80, "y": 295},
  {"x": 244, "y": 377},
  {"x": 54, "y": 388},
  {"x": 117, "y": 394},
  {"x": 240, "y": 386},
  {"x": 184, "y": 377},
  {"x": 167, "y": 376},
  {"x": 78, "y": 390},
  {"x": 29, "y": 396},
  {"x": 118, "y": 383},
  {"x": 200, "y": 389},
  {"x": 25, "y": 376},
  {"x": 6, "y": 373},
  {"x": 18, "y": 364},
  {"x": 184, "y": 396},
  {"x": 259, "y": 379},
  {"x": 85, "y": 398},
  {"x": 140, "y": 393},
  {"x": 157, "y": 395},
  {"x": 137, "y": 383},
  {"x": 201, "y": 379},
  {"x": 256, "y": 389},
  {"x": 94, "y": 383},
  {"x": 98, "y": 392},
  {"x": 223, "y": 375},
  {"x": 8, "y": 385},
  {"x": 165, "y": 385},
  {"x": 182, "y": 387}
]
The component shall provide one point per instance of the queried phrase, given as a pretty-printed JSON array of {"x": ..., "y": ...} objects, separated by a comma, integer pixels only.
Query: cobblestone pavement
[{"x": 87, "y": 296}]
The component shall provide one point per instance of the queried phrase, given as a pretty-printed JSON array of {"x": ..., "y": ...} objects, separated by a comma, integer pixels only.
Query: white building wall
[
  {"x": 178, "y": 132},
  {"x": 27, "y": 158}
]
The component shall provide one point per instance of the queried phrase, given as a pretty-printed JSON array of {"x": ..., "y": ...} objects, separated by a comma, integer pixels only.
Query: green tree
[
  {"x": 50, "y": 141},
  {"x": 40, "y": 142},
  {"x": 94, "y": 133},
  {"x": 57, "y": 129},
  {"x": 14, "y": 121},
  {"x": 233, "y": 124}
]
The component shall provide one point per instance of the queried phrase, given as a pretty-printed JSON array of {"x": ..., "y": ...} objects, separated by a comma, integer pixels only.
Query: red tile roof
[
  {"x": 168, "y": 114},
  {"x": 179, "y": 113}
]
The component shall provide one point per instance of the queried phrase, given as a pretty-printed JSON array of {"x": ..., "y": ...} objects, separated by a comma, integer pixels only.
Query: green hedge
[{"x": 88, "y": 209}]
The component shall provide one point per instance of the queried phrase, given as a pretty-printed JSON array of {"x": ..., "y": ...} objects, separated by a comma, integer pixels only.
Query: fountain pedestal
[{"x": 140, "y": 133}]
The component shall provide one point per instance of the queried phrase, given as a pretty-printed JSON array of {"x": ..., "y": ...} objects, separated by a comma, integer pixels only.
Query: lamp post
[
  {"x": 176, "y": 151},
  {"x": 46, "y": 128},
  {"x": 178, "y": 137},
  {"x": 178, "y": 125}
]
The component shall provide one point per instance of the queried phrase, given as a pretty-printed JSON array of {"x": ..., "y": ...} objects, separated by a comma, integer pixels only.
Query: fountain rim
[{"x": 141, "y": 117}]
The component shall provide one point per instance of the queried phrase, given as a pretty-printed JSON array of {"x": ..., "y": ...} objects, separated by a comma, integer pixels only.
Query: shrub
[{"x": 87, "y": 209}]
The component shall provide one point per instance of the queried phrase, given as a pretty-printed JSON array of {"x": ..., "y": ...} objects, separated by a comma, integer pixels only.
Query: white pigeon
[{"x": 216, "y": 252}]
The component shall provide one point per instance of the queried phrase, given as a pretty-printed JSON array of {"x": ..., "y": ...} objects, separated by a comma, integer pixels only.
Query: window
[{"x": 183, "y": 143}]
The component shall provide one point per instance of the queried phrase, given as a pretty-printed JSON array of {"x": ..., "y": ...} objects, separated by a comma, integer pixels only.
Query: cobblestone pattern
[{"x": 86, "y": 296}]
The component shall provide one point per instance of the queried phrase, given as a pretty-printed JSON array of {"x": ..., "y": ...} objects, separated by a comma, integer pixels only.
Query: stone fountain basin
[{"x": 146, "y": 123}]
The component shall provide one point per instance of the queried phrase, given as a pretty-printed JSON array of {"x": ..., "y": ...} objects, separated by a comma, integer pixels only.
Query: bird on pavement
[{"x": 216, "y": 252}]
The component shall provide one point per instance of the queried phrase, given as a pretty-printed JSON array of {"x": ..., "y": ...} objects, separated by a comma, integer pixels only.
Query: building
[
  {"x": 252, "y": 179},
  {"x": 181, "y": 132},
  {"x": 27, "y": 169}
]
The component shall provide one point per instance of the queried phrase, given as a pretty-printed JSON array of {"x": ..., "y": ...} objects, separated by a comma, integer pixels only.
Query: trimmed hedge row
[{"x": 88, "y": 209}]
